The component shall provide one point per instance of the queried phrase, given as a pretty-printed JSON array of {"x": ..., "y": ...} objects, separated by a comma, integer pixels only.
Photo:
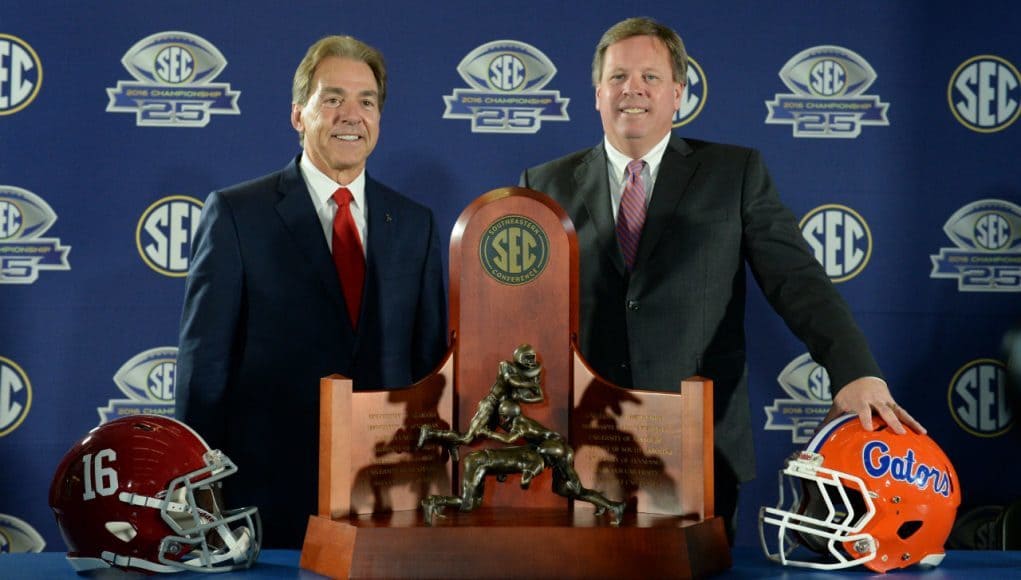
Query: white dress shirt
[
  {"x": 321, "y": 189},
  {"x": 617, "y": 165}
]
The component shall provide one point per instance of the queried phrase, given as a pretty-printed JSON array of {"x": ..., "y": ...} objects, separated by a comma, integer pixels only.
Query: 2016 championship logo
[
  {"x": 165, "y": 232},
  {"x": 24, "y": 218},
  {"x": 507, "y": 78},
  {"x": 828, "y": 101},
  {"x": 984, "y": 93},
  {"x": 840, "y": 239},
  {"x": 987, "y": 258},
  {"x": 173, "y": 86},
  {"x": 808, "y": 385},
  {"x": 21, "y": 74},
  {"x": 696, "y": 90},
  {"x": 148, "y": 379}
]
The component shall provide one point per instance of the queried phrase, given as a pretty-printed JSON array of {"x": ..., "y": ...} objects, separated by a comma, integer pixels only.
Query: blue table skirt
[{"x": 748, "y": 563}]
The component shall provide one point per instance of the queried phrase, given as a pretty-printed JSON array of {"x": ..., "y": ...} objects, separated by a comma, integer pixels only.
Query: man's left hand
[{"x": 862, "y": 396}]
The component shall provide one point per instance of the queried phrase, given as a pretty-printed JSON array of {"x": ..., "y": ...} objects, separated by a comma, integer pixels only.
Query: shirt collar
[
  {"x": 322, "y": 187},
  {"x": 617, "y": 161}
]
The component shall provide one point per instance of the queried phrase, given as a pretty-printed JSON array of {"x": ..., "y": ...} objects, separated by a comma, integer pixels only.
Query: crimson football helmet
[
  {"x": 143, "y": 493},
  {"x": 857, "y": 497}
]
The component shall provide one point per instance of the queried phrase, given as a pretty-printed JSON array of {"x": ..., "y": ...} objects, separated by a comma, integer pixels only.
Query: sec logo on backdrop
[
  {"x": 165, "y": 232},
  {"x": 984, "y": 93},
  {"x": 21, "y": 74},
  {"x": 978, "y": 398},
  {"x": 840, "y": 239},
  {"x": 15, "y": 395},
  {"x": 696, "y": 91}
]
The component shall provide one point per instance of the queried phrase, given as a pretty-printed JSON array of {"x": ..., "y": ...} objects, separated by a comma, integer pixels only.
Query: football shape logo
[
  {"x": 174, "y": 58},
  {"x": 506, "y": 65},
  {"x": 148, "y": 379},
  {"x": 23, "y": 214},
  {"x": 828, "y": 71},
  {"x": 807, "y": 384},
  {"x": 149, "y": 375},
  {"x": 16, "y": 536},
  {"x": 986, "y": 226}
]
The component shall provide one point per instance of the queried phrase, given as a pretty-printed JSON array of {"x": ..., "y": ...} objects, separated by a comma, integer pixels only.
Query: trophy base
[{"x": 514, "y": 543}]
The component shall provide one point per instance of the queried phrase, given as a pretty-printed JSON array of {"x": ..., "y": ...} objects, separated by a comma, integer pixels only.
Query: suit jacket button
[{"x": 632, "y": 305}]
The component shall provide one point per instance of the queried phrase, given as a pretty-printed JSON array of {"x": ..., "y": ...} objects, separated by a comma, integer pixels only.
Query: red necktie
[
  {"x": 631, "y": 214},
  {"x": 347, "y": 253}
]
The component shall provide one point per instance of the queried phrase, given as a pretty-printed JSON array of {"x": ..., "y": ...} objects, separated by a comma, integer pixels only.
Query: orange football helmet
[{"x": 857, "y": 497}]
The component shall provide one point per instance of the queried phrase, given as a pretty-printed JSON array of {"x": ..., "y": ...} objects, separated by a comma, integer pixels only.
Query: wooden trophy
[{"x": 514, "y": 281}]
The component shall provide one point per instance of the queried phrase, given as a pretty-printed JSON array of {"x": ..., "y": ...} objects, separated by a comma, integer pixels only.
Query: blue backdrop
[{"x": 890, "y": 126}]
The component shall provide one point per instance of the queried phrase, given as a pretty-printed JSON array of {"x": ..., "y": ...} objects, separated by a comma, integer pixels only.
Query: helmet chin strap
[
  {"x": 237, "y": 548},
  {"x": 237, "y": 544},
  {"x": 151, "y": 502}
]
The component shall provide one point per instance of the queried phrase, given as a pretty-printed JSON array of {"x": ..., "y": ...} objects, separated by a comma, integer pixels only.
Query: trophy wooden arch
[{"x": 514, "y": 280}]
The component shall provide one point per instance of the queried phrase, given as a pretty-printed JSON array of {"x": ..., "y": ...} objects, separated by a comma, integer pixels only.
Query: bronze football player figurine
[
  {"x": 557, "y": 455},
  {"x": 542, "y": 448},
  {"x": 517, "y": 379},
  {"x": 499, "y": 461}
]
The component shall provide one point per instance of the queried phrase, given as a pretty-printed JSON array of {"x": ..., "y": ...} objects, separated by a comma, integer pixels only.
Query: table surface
[{"x": 748, "y": 563}]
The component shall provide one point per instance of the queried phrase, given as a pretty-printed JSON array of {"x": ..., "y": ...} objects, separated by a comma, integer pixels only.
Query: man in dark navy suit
[{"x": 267, "y": 312}]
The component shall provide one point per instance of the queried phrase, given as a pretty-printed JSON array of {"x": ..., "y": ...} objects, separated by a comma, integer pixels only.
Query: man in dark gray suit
[
  {"x": 267, "y": 313},
  {"x": 675, "y": 307}
]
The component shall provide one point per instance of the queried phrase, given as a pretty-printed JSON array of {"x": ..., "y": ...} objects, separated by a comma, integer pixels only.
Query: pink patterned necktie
[
  {"x": 631, "y": 214},
  {"x": 348, "y": 255}
]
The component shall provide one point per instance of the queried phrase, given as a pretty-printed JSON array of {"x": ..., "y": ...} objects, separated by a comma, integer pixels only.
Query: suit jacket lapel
[
  {"x": 592, "y": 182},
  {"x": 675, "y": 171},
  {"x": 299, "y": 217}
]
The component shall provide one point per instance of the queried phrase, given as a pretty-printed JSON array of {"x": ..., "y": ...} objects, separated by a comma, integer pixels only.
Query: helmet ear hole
[
  {"x": 908, "y": 529},
  {"x": 123, "y": 531}
]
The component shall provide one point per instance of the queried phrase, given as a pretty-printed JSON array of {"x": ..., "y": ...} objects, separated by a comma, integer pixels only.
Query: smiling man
[
  {"x": 308, "y": 271},
  {"x": 665, "y": 229}
]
